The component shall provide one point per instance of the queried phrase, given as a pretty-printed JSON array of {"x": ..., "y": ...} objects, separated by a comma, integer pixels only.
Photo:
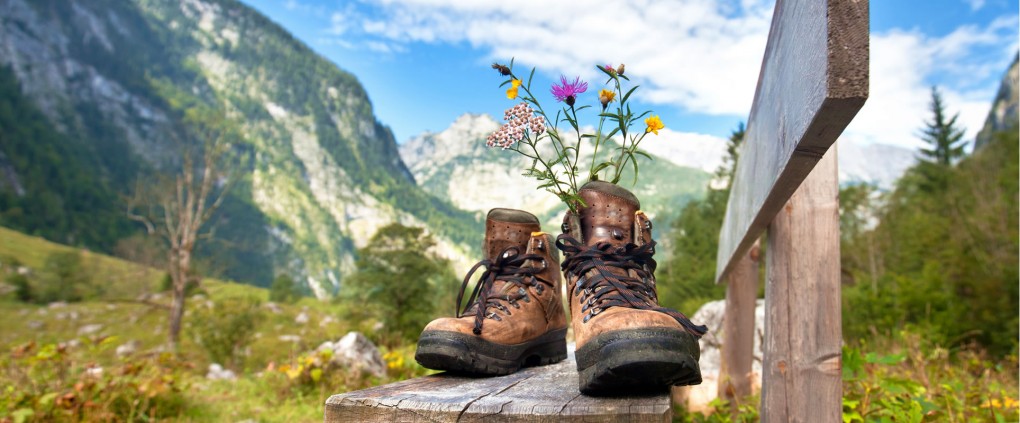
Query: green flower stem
[
  {"x": 557, "y": 145},
  {"x": 577, "y": 150},
  {"x": 594, "y": 155}
]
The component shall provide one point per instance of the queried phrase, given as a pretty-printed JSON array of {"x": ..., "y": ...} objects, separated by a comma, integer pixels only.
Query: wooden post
[
  {"x": 737, "y": 352},
  {"x": 802, "y": 364}
]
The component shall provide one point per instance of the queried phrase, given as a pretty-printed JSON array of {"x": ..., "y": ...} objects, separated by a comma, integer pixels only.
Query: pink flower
[
  {"x": 519, "y": 119},
  {"x": 568, "y": 91}
]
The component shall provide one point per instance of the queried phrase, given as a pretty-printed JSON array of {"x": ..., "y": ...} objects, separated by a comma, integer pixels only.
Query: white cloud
[
  {"x": 903, "y": 66},
  {"x": 700, "y": 55},
  {"x": 976, "y": 4}
]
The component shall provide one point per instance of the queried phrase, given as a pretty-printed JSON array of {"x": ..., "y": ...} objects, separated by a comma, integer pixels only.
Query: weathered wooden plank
[
  {"x": 737, "y": 351},
  {"x": 813, "y": 81},
  {"x": 537, "y": 394},
  {"x": 803, "y": 361}
]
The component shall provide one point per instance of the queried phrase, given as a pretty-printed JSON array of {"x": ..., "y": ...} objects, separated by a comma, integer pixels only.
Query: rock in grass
[
  {"x": 127, "y": 349},
  {"x": 289, "y": 338},
  {"x": 355, "y": 352},
  {"x": 217, "y": 372},
  {"x": 89, "y": 329},
  {"x": 699, "y": 397}
]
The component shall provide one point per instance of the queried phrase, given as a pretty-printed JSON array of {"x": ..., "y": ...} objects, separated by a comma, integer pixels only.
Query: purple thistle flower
[{"x": 568, "y": 91}]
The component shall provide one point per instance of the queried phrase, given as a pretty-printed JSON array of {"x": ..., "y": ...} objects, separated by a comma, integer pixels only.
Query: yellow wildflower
[
  {"x": 654, "y": 124},
  {"x": 512, "y": 92},
  {"x": 393, "y": 360},
  {"x": 606, "y": 97}
]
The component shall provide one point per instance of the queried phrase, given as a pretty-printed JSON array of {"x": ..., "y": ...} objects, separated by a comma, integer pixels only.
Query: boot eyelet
[{"x": 565, "y": 227}]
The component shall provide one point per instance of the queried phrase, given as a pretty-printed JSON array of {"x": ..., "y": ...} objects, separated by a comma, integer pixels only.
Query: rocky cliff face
[
  {"x": 877, "y": 164},
  {"x": 325, "y": 173},
  {"x": 1004, "y": 113}
]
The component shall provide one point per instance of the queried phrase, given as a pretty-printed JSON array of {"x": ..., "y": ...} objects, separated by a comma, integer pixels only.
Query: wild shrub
[
  {"x": 284, "y": 290},
  {"x": 919, "y": 380},
  {"x": 65, "y": 278},
  {"x": 399, "y": 283},
  {"x": 55, "y": 382},
  {"x": 226, "y": 329}
]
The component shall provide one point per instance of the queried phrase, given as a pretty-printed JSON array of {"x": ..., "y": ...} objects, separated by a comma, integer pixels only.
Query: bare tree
[{"x": 177, "y": 207}]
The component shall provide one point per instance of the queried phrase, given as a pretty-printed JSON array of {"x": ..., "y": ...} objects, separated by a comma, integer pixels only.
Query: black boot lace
[
  {"x": 508, "y": 266},
  {"x": 604, "y": 289}
]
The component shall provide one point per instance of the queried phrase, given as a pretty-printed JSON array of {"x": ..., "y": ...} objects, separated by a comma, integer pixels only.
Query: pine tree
[{"x": 944, "y": 137}]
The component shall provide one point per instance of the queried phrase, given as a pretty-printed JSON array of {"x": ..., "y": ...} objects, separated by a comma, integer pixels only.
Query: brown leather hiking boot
[
  {"x": 625, "y": 341},
  {"x": 514, "y": 316}
]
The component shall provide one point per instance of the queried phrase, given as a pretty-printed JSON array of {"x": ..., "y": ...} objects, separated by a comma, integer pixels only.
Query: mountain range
[
  {"x": 101, "y": 90},
  {"x": 94, "y": 96}
]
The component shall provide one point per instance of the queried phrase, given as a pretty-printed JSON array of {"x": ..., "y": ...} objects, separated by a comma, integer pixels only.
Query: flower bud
[{"x": 502, "y": 69}]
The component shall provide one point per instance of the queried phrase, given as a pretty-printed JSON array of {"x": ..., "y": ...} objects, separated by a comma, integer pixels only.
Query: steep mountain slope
[
  {"x": 456, "y": 165},
  {"x": 113, "y": 79},
  {"x": 1004, "y": 113},
  {"x": 877, "y": 164}
]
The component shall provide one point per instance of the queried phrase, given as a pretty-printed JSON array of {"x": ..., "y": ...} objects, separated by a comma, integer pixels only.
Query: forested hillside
[{"x": 95, "y": 105}]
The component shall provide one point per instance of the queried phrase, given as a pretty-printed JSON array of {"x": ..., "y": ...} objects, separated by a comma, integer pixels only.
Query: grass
[
  {"x": 891, "y": 378},
  {"x": 261, "y": 392}
]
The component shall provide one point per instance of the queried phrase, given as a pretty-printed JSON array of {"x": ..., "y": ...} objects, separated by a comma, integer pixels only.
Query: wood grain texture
[
  {"x": 813, "y": 81},
  {"x": 737, "y": 352},
  {"x": 803, "y": 361},
  {"x": 536, "y": 394}
]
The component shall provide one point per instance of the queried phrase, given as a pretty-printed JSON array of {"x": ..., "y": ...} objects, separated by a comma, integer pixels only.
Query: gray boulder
[
  {"x": 127, "y": 349},
  {"x": 712, "y": 314},
  {"x": 217, "y": 372},
  {"x": 354, "y": 351}
]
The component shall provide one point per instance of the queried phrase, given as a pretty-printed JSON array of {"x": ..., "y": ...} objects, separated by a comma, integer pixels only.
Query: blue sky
[{"x": 426, "y": 62}]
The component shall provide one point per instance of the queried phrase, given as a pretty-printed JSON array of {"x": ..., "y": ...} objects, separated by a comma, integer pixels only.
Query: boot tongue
[
  {"x": 608, "y": 215},
  {"x": 506, "y": 228}
]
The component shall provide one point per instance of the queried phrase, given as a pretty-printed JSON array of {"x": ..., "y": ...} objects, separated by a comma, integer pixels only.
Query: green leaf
[
  {"x": 47, "y": 400},
  {"x": 886, "y": 360},
  {"x": 629, "y": 92},
  {"x": 316, "y": 374},
  {"x": 22, "y": 414}
]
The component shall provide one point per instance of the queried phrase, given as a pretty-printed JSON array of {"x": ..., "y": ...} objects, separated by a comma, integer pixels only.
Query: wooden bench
[
  {"x": 535, "y": 394},
  {"x": 813, "y": 81}
]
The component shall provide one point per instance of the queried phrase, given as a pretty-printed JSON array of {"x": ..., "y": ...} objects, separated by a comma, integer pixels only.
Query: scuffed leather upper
[
  {"x": 610, "y": 215},
  {"x": 541, "y": 309}
]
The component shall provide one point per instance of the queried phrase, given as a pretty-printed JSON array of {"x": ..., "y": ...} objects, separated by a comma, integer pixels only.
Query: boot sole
[
  {"x": 638, "y": 361},
  {"x": 460, "y": 353}
]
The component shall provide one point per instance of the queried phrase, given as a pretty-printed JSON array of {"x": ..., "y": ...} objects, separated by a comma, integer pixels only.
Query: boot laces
[
  {"x": 509, "y": 266},
  {"x": 600, "y": 288}
]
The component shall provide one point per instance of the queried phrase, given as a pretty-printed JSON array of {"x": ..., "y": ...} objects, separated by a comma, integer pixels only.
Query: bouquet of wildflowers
[{"x": 528, "y": 128}]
